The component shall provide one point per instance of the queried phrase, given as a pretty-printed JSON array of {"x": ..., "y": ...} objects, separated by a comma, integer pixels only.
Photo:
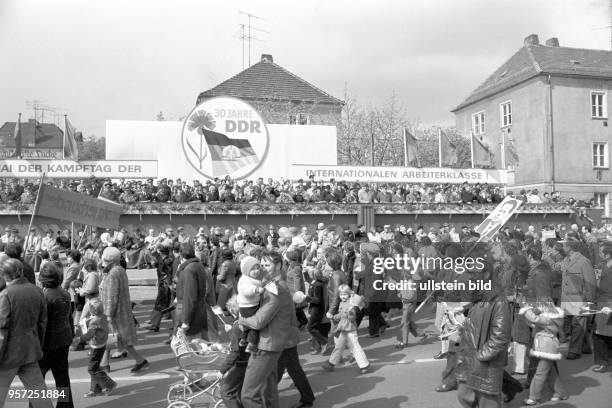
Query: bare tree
[{"x": 353, "y": 142}]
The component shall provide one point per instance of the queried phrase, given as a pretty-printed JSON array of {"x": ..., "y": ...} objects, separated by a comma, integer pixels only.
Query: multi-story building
[
  {"x": 551, "y": 102},
  {"x": 280, "y": 96}
]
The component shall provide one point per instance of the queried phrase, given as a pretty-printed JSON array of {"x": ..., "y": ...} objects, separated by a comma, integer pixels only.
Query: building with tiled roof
[
  {"x": 279, "y": 95},
  {"x": 550, "y": 103},
  {"x": 38, "y": 140}
]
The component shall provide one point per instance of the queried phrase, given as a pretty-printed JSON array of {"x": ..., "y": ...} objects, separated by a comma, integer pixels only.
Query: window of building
[
  {"x": 600, "y": 155},
  {"x": 299, "y": 119},
  {"x": 478, "y": 123},
  {"x": 599, "y": 108},
  {"x": 600, "y": 199},
  {"x": 505, "y": 112}
]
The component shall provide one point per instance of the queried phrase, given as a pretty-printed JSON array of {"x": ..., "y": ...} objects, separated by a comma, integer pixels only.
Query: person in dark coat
[
  {"x": 539, "y": 282},
  {"x": 163, "y": 263},
  {"x": 484, "y": 342},
  {"x": 348, "y": 261},
  {"x": 376, "y": 299},
  {"x": 191, "y": 294},
  {"x": 295, "y": 283},
  {"x": 316, "y": 310},
  {"x": 214, "y": 261},
  {"x": 226, "y": 278},
  {"x": 58, "y": 335},
  {"x": 23, "y": 321}
]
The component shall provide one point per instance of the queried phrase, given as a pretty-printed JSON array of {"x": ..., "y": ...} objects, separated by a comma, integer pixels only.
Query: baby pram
[{"x": 199, "y": 361}]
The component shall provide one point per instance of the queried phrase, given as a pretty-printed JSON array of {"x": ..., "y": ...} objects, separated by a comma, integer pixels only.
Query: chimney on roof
[
  {"x": 266, "y": 58},
  {"x": 552, "y": 42},
  {"x": 531, "y": 40}
]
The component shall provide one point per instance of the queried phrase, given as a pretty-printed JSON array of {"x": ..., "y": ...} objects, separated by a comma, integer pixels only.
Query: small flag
[
  {"x": 448, "y": 151},
  {"x": 228, "y": 155},
  {"x": 71, "y": 150},
  {"x": 17, "y": 137},
  {"x": 481, "y": 155},
  {"x": 411, "y": 152}
]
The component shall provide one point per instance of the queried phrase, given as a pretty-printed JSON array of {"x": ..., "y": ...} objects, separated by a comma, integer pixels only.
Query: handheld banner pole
[
  {"x": 82, "y": 236},
  {"x": 423, "y": 302},
  {"x": 72, "y": 235},
  {"x": 35, "y": 210}
]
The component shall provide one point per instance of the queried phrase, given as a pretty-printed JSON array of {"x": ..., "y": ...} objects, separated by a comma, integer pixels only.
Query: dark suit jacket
[
  {"x": 59, "y": 326},
  {"x": 23, "y": 321},
  {"x": 191, "y": 293}
]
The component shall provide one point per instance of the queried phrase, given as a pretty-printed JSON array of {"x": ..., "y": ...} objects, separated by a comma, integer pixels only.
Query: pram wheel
[
  {"x": 179, "y": 393},
  {"x": 179, "y": 404}
]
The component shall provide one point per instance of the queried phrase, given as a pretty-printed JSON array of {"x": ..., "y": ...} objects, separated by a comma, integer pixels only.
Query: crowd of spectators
[{"x": 278, "y": 191}]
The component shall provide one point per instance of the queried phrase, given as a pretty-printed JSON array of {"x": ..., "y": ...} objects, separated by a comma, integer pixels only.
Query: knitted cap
[
  {"x": 247, "y": 263},
  {"x": 111, "y": 255}
]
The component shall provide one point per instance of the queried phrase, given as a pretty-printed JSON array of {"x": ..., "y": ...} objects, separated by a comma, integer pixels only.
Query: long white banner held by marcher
[
  {"x": 398, "y": 174},
  {"x": 496, "y": 220},
  {"x": 70, "y": 169},
  {"x": 76, "y": 207}
]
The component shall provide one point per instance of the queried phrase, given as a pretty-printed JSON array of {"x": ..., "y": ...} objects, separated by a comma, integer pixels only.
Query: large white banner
[
  {"x": 398, "y": 174},
  {"x": 162, "y": 141},
  {"x": 114, "y": 169}
]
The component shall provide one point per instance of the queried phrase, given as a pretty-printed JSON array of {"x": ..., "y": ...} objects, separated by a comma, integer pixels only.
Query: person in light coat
[
  {"x": 578, "y": 287},
  {"x": 115, "y": 297}
]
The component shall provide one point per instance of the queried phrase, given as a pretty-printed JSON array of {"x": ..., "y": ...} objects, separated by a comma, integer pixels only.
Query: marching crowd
[
  {"x": 278, "y": 191},
  {"x": 545, "y": 291}
]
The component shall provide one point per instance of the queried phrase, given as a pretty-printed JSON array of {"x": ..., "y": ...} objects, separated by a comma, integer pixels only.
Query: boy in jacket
[{"x": 97, "y": 335}]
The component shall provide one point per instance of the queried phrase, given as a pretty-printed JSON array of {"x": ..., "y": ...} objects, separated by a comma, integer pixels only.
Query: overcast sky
[{"x": 130, "y": 59}]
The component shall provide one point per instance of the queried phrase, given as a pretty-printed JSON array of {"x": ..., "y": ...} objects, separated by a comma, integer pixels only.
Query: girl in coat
[
  {"x": 345, "y": 331},
  {"x": 546, "y": 320},
  {"x": 316, "y": 311}
]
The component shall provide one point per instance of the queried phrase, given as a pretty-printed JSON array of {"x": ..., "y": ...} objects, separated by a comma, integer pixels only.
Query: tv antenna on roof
[
  {"x": 37, "y": 106},
  {"x": 246, "y": 34}
]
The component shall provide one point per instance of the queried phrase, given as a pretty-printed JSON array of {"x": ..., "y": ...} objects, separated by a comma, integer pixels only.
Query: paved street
[{"x": 403, "y": 378}]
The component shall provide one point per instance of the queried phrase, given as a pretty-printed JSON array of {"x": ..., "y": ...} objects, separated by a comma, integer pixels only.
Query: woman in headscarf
[
  {"x": 115, "y": 297},
  {"x": 58, "y": 334}
]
